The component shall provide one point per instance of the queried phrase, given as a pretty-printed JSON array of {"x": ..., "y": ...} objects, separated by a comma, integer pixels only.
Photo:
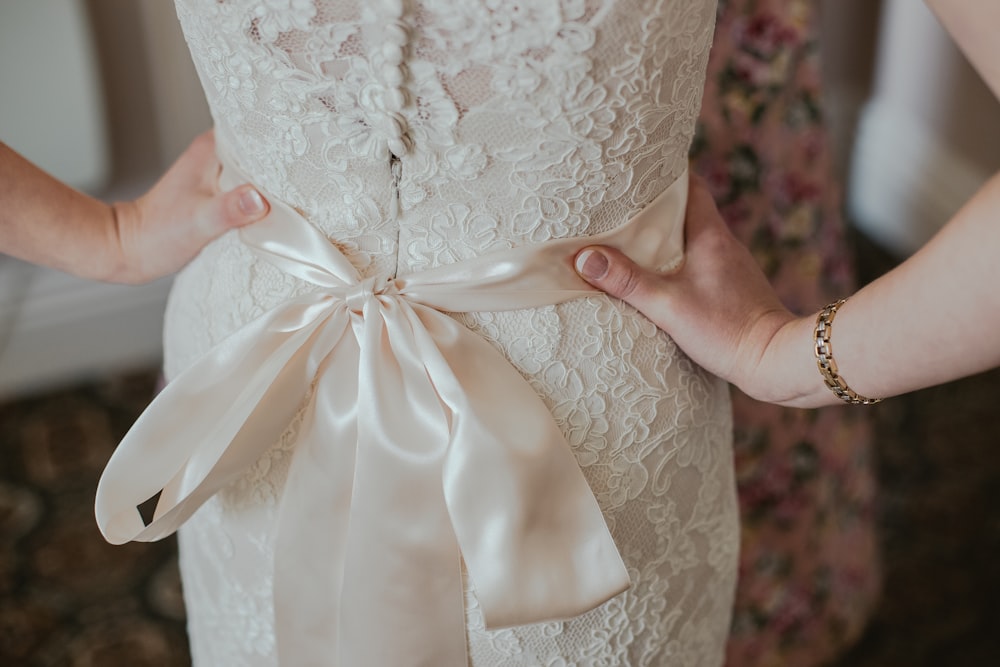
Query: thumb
[
  {"x": 611, "y": 271},
  {"x": 236, "y": 208}
]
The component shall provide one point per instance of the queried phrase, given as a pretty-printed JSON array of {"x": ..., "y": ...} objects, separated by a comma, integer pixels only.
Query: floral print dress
[{"x": 809, "y": 573}]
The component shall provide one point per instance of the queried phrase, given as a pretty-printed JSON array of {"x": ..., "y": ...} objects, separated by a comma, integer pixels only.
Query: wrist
[
  {"x": 827, "y": 364},
  {"x": 786, "y": 373},
  {"x": 87, "y": 245},
  {"x": 116, "y": 266}
]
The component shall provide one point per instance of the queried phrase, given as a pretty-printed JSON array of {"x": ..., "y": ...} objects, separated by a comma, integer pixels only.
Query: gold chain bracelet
[{"x": 824, "y": 358}]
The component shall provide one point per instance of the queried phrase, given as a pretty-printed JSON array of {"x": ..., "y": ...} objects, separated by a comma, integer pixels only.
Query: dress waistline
[{"x": 420, "y": 446}]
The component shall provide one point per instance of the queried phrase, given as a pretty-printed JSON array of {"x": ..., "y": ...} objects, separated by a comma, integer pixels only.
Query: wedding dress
[{"x": 423, "y": 133}]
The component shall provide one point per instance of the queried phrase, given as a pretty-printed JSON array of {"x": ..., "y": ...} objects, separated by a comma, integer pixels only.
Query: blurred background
[{"x": 102, "y": 94}]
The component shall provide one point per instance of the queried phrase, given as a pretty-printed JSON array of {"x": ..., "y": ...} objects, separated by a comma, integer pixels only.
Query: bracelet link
[{"x": 825, "y": 361}]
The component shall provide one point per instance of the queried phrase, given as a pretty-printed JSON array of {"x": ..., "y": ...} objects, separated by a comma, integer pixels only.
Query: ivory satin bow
[{"x": 420, "y": 446}]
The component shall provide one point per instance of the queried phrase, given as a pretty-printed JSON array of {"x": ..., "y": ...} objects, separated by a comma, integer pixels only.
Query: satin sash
[{"x": 420, "y": 447}]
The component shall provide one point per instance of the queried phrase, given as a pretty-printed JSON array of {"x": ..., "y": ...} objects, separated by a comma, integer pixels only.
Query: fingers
[
  {"x": 240, "y": 207},
  {"x": 611, "y": 271},
  {"x": 702, "y": 214},
  {"x": 203, "y": 144},
  {"x": 219, "y": 213},
  {"x": 226, "y": 210},
  {"x": 181, "y": 213},
  {"x": 202, "y": 150}
]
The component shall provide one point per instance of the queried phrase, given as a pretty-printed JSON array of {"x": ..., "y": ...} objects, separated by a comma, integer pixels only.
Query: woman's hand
[
  {"x": 161, "y": 231},
  {"x": 47, "y": 222},
  {"x": 718, "y": 306}
]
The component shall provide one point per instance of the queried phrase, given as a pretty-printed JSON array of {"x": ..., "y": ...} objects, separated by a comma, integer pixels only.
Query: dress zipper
[{"x": 396, "y": 167}]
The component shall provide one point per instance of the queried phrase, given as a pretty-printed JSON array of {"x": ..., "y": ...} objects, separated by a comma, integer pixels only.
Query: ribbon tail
[
  {"x": 533, "y": 538},
  {"x": 403, "y": 561},
  {"x": 208, "y": 425},
  {"x": 314, "y": 514}
]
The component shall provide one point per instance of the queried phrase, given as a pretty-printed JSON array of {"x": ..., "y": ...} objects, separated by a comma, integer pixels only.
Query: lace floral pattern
[{"x": 416, "y": 134}]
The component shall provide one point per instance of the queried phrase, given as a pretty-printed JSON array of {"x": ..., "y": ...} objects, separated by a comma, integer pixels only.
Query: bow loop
[{"x": 419, "y": 447}]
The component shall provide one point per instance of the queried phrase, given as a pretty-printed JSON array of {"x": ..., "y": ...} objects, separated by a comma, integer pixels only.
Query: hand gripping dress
[{"x": 421, "y": 134}]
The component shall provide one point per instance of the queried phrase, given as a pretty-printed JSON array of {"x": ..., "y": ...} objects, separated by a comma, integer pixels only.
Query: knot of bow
[{"x": 406, "y": 462}]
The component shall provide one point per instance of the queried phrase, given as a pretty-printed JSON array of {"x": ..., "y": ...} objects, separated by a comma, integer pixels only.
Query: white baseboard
[
  {"x": 905, "y": 182},
  {"x": 56, "y": 329}
]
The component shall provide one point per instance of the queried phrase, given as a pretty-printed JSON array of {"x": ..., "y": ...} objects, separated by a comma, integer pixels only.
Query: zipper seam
[{"x": 396, "y": 168}]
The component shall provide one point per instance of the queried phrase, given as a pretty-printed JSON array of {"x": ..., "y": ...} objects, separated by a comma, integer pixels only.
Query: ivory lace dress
[{"x": 422, "y": 133}]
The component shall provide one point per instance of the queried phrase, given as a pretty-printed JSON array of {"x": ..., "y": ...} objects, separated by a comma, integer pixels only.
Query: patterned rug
[
  {"x": 939, "y": 473},
  {"x": 938, "y": 453},
  {"x": 68, "y": 598}
]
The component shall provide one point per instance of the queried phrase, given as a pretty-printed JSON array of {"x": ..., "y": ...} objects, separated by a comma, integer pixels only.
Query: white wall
[
  {"x": 51, "y": 107},
  {"x": 54, "y": 328},
  {"x": 928, "y": 137},
  {"x": 849, "y": 32}
]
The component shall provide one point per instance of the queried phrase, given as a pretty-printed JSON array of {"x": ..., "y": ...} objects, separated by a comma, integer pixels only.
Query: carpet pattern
[{"x": 66, "y": 596}]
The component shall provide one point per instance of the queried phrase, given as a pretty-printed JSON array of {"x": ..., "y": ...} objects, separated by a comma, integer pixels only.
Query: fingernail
[
  {"x": 592, "y": 264},
  {"x": 250, "y": 202}
]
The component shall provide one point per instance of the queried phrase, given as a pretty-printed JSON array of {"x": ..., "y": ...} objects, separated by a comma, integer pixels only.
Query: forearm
[
  {"x": 47, "y": 222},
  {"x": 934, "y": 318}
]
